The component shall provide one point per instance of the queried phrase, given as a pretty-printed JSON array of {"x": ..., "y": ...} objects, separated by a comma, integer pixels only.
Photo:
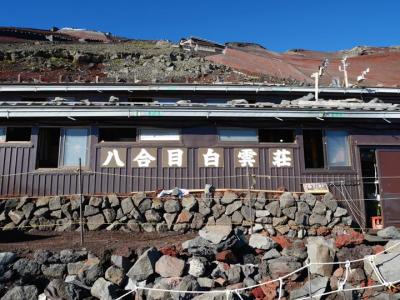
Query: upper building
[{"x": 144, "y": 137}]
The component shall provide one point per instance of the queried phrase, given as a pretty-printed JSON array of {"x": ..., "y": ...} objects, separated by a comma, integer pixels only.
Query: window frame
[
  {"x": 119, "y": 143},
  {"x": 278, "y": 143},
  {"x": 345, "y": 169},
  {"x": 63, "y": 130},
  {"x": 348, "y": 150},
  {"x": 255, "y": 142},
  {"x": 141, "y": 129},
  {"x": 60, "y": 161},
  {"x": 10, "y": 143}
]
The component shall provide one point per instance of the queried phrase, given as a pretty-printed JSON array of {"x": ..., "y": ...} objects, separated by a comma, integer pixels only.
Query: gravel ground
[{"x": 25, "y": 243}]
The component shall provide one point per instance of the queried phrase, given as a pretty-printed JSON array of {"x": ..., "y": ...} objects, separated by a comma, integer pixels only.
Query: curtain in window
[
  {"x": 237, "y": 135},
  {"x": 338, "y": 148},
  {"x": 75, "y": 146}
]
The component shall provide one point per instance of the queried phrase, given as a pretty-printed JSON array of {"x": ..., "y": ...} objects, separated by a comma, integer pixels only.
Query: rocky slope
[
  {"x": 219, "y": 259},
  {"x": 165, "y": 62},
  {"x": 234, "y": 249},
  {"x": 133, "y": 62}
]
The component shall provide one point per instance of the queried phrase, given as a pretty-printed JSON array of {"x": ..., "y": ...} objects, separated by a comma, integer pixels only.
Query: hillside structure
[{"x": 146, "y": 137}]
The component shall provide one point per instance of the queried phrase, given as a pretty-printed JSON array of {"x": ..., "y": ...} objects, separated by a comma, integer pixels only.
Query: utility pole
[
  {"x": 316, "y": 81},
  {"x": 317, "y": 75},
  {"x": 343, "y": 68}
]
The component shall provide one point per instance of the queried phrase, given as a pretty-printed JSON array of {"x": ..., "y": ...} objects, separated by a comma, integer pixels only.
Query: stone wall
[{"x": 286, "y": 213}]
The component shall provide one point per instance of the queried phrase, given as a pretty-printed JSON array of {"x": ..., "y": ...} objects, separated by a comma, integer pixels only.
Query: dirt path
[{"x": 96, "y": 241}]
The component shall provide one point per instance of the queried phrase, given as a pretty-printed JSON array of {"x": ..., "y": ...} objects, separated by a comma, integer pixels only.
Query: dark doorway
[
  {"x": 48, "y": 148},
  {"x": 388, "y": 161},
  {"x": 369, "y": 171}
]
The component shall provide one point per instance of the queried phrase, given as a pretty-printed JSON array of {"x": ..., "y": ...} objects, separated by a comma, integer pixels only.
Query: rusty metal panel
[{"x": 389, "y": 182}]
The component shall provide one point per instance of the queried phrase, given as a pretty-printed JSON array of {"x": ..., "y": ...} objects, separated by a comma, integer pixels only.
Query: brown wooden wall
[{"x": 20, "y": 158}]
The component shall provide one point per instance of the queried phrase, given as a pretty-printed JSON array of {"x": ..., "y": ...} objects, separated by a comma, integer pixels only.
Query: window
[
  {"x": 237, "y": 135},
  {"x": 337, "y": 148},
  {"x": 2, "y": 134},
  {"x": 133, "y": 99},
  {"x": 115, "y": 134},
  {"x": 276, "y": 135},
  {"x": 313, "y": 149},
  {"x": 75, "y": 146},
  {"x": 160, "y": 135},
  {"x": 48, "y": 148},
  {"x": 15, "y": 134}
]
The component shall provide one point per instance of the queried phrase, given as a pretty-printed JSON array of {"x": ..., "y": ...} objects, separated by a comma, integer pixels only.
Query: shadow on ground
[{"x": 13, "y": 236}]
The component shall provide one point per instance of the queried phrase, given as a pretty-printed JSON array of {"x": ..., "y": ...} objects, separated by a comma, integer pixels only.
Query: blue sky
[{"x": 278, "y": 25}]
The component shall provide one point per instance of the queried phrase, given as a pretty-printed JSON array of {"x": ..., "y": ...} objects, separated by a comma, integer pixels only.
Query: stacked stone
[
  {"x": 289, "y": 214},
  {"x": 219, "y": 258}
]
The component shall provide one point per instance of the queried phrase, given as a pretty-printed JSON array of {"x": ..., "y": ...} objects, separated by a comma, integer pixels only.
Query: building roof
[
  {"x": 87, "y": 35},
  {"x": 253, "y": 88},
  {"x": 28, "y": 34},
  {"x": 303, "y": 107},
  {"x": 202, "y": 41},
  {"x": 18, "y": 34}
]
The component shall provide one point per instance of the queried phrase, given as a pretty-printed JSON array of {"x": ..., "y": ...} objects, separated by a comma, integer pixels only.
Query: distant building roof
[
  {"x": 21, "y": 34},
  {"x": 87, "y": 35},
  {"x": 201, "y": 41}
]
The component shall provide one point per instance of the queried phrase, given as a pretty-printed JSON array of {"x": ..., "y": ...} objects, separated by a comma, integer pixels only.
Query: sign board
[
  {"x": 316, "y": 188},
  {"x": 174, "y": 157},
  {"x": 246, "y": 157},
  {"x": 281, "y": 157},
  {"x": 113, "y": 157},
  {"x": 144, "y": 157},
  {"x": 210, "y": 157}
]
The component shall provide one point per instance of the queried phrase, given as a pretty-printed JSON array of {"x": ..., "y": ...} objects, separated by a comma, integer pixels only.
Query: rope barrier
[
  {"x": 280, "y": 288},
  {"x": 347, "y": 290},
  {"x": 206, "y": 177},
  {"x": 280, "y": 280},
  {"x": 128, "y": 293},
  {"x": 347, "y": 271},
  {"x": 243, "y": 191}
]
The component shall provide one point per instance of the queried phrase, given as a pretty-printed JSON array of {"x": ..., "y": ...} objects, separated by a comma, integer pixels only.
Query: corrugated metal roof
[{"x": 226, "y": 88}]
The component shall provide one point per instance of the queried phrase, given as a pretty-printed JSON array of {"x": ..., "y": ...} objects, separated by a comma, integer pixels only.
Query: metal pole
[
  {"x": 81, "y": 201},
  {"x": 309, "y": 279}
]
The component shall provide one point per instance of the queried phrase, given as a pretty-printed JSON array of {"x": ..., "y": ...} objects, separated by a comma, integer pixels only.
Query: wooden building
[
  {"x": 145, "y": 137},
  {"x": 201, "y": 45}
]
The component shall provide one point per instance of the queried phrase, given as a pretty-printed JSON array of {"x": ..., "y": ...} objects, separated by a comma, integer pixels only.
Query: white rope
[
  {"x": 342, "y": 283},
  {"x": 237, "y": 293},
  {"x": 128, "y": 293},
  {"x": 280, "y": 280},
  {"x": 280, "y": 288},
  {"x": 371, "y": 260},
  {"x": 349, "y": 290},
  {"x": 308, "y": 177},
  {"x": 351, "y": 207}
]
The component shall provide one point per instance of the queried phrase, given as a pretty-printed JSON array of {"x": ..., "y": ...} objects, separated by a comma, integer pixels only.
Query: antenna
[
  {"x": 343, "y": 68},
  {"x": 317, "y": 75},
  {"x": 362, "y": 76}
]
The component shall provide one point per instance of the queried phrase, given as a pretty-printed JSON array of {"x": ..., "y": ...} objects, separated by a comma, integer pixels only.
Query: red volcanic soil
[{"x": 384, "y": 64}]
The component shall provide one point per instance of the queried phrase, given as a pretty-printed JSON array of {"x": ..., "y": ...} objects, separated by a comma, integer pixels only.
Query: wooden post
[
  {"x": 250, "y": 200},
  {"x": 81, "y": 201}
]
